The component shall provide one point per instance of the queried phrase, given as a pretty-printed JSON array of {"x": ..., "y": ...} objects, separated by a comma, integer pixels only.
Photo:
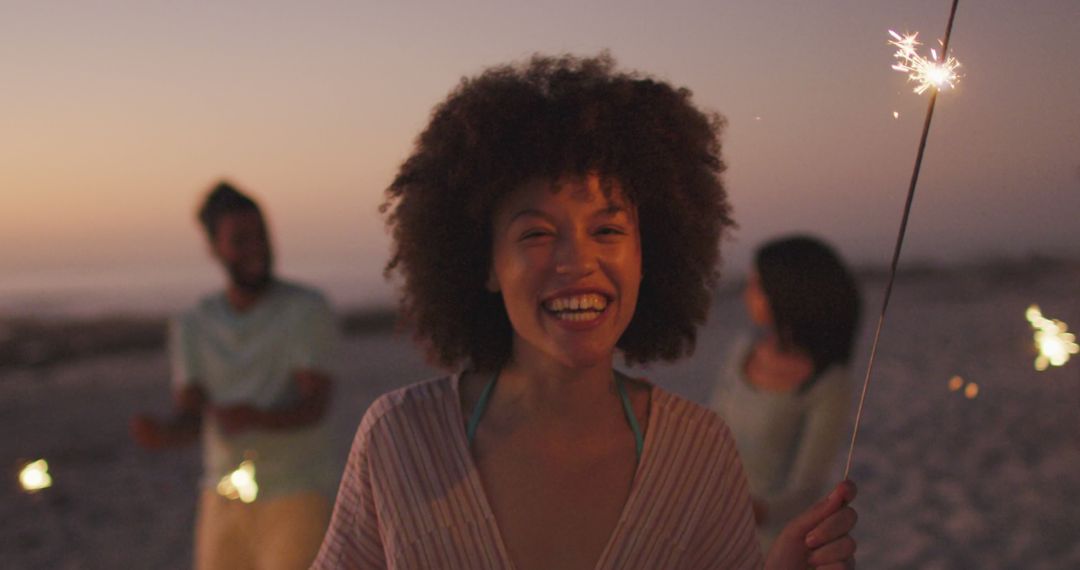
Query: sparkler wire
[{"x": 899, "y": 244}]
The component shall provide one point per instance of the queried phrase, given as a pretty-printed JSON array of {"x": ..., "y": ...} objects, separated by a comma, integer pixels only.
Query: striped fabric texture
[{"x": 411, "y": 497}]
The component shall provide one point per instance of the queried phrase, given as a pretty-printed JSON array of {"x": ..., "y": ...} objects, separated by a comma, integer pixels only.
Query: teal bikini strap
[
  {"x": 482, "y": 403},
  {"x": 639, "y": 439},
  {"x": 478, "y": 409}
]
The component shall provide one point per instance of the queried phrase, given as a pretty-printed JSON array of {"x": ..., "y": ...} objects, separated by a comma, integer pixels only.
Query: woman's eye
[
  {"x": 610, "y": 231},
  {"x": 533, "y": 234}
]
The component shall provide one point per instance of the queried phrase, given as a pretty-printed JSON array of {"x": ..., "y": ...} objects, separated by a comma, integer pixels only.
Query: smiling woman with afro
[{"x": 552, "y": 213}]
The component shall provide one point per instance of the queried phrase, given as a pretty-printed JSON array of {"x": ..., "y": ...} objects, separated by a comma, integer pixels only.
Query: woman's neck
[
  {"x": 540, "y": 388},
  {"x": 774, "y": 368}
]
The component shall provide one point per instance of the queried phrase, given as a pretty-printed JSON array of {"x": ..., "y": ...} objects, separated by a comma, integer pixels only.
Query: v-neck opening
[{"x": 485, "y": 504}]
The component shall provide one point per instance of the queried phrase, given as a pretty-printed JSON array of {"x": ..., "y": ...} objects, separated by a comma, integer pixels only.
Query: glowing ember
[
  {"x": 1052, "y": 339},
  {"x": 926, "y": 73},
  {"x": 240, "y": 484},
  {"x": 955, "y": 383},
  {"x": 971, "y": 390},
  {"x": 35, "y": 476}
]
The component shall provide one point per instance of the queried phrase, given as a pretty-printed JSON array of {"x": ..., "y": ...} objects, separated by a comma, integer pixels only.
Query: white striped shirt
[{"x": 411, "y": 496}]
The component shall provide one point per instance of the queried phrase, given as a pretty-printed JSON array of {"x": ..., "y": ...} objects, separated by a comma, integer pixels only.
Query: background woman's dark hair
[
  {"x": 223, "y": 199},
  {"x": 813, "y": 297},
  {"x": 548, "y": 118}
]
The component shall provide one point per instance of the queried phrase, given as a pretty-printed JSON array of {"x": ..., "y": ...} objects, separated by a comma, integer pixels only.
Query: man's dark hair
[
  {"x": 223, "y": 199},
  {"x": 550, "y": 118},
  {"x": 813, "y": 297}
]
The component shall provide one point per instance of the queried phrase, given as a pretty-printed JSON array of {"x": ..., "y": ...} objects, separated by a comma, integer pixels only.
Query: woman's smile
[{"x": 581, "y": 310}]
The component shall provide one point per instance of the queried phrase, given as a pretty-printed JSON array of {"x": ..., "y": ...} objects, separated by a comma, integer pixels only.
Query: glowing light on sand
[
  {"x": 1052, "y": 339},
  {"x": 971, "y": 390},
  {"x": 240, "y": 484},
  {"x": 896, "y": 114},
  {"x": 955, "y": 383},
  {"x": 925, "y": 73},
  {"x": 34, "y": 476}
]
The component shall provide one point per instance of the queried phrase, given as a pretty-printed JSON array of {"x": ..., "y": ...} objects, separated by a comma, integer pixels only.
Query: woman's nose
[{"x": 575, "y": 256}]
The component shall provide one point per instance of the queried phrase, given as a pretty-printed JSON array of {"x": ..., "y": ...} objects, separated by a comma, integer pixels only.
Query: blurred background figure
[
  {"x": 249, "y": 372},
  {"x": 785, "y": 389}
]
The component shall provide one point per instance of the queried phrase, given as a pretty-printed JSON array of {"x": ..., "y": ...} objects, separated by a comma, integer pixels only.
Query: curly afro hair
[{"x": 550, "y": 118}]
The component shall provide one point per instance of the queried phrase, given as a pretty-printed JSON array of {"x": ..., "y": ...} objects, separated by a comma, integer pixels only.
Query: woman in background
[{"x": 786, "y": 392}]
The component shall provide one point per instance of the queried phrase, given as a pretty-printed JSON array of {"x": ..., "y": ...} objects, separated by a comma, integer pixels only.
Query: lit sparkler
[
  {"x": 240, "y": 484},
  {"x": 906, "y": 46},
  {"x": 34, "y": 476},
  {"x": 1052, "y": 339},
  {"x": 926, "y": 73}
]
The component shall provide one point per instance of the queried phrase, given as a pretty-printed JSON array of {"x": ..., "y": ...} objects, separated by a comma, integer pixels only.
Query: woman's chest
[{"x": 557, "y": 508}]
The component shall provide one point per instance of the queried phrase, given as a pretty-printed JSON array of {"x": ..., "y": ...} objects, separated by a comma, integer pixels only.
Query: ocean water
[{"x": 154, "y": 291}]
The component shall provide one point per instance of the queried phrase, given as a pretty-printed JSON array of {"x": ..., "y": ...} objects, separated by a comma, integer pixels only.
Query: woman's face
[
  {"x": 568, "y": 265},
  {"x": 757, "y": 304}
]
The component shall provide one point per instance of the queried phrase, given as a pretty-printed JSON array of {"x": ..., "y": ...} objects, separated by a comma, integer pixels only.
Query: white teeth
[
  {"x": 579, "y": 316},
  {"x": 590, "y": 302}
]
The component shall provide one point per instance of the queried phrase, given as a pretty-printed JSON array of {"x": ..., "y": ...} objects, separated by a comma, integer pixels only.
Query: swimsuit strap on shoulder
[
  {"x": 479, "y": 408},
  {"x": 639, "y": 439}
]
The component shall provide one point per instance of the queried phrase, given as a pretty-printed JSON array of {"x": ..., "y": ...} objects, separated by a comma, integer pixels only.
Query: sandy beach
[{"x": 946, "y": 481}]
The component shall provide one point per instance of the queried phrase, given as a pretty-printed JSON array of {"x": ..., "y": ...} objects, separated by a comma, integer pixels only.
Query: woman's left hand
[{"x": 820, "y": 537}]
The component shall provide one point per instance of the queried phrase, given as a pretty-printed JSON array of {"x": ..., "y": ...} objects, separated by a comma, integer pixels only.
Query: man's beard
[{"x": 251, "y": 283}]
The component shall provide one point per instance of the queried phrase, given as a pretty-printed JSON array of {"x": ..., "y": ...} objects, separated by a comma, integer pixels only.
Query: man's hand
[
  {"x": 237, "y": 418},
  {"x": 181, "y": 429},
  {"x": 314, "y": 392},
  {"x": 819, "y": 538},
  {"x": 154, "y": 434},
  {"x": 148, "y": 432}
]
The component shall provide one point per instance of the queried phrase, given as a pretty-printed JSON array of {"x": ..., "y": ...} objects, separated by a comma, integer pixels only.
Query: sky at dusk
[{"x": 115, "y": 117}]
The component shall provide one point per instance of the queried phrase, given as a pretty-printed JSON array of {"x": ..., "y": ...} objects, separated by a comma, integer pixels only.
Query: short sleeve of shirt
[
  {"x": 315, "y": 338},
  {"x": 182, "y": 354}
]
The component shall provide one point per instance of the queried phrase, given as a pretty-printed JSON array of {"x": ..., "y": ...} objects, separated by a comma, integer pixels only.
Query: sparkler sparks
[
  {"x": 926, "y": 73},
  {"x": 34, "y": 476},
  {"x": 1052, "y": 339},
  {"x": 240, "y": 484}
]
